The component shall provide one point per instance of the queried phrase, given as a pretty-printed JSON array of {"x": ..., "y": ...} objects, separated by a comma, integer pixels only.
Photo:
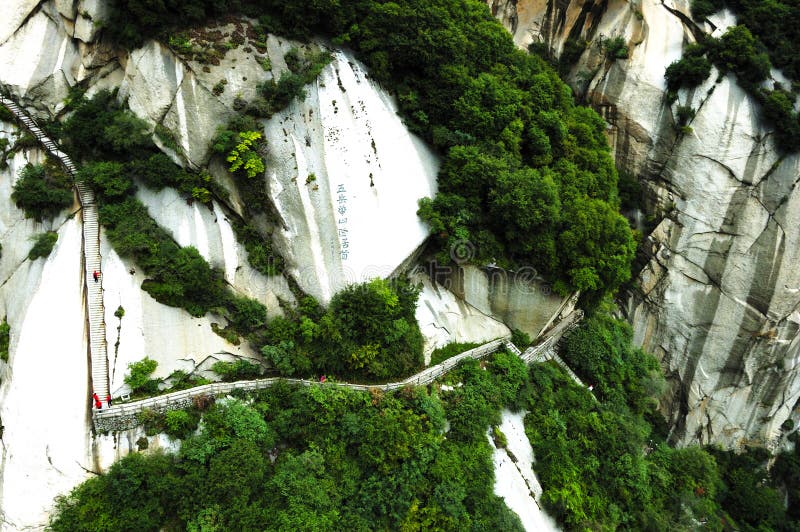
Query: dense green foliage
[
  {"x": 238, "y": 370},
  {"x": 786, "y": 474},
  {"x": 5, "y": 339},
  {"x": 616, "y": 48},
  {"x": 139, "y": 376},
  {"x": 368, "y": 332},
  {"x": 316, "y": 458},
  {"x": 177, "y": 276},
  {"x": 601, "y": 354},
  {"x": 604, "y": 463},
  {"x": 525, "y": 171},
  {"x": 775, "y": 23},
  {"x": 748, "y": 494},
  {"x": 450, "y": 350},
  {"x": 42, "y": 191},
  {"x": 119, "y": 148},
  {"x": 43, "y": 245}
]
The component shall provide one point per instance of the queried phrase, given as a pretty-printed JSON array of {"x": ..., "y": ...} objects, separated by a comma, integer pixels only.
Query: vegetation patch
[
  {"x": 5, "y": 340},
  {"x": 368, "y": 333},
  {"x": 42, "y": 191},
  {"x": 314, "y": 458},
  {"x": 237, "y": 371},
  {"x": 740, "y": 52},
  {"x": 43, "y": 245},
  {"x": 525, "y": 172},
  {"x": 450, "y": 350}
]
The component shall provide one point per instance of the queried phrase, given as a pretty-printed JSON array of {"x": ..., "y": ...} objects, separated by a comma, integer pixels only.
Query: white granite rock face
[
  {"x": 210, "y": 231},
  {"x": 520, "y": 299},
  {"x": 44, "y": 392},
  {"x": 444, "y": 318},
  {"x": 345, "y": 175},
  {"x": 40, "y": 61},
  {"x": 718, "y": 301},
  {"x": 515, "y": 479}
]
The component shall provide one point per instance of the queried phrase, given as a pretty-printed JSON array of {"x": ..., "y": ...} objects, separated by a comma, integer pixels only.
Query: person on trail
[
  {"x": 96, "y": 275},
  {"x": 108, "y": 399},
  {"x": 322, "y": 379},
  {"x": 97, "y": 404}
]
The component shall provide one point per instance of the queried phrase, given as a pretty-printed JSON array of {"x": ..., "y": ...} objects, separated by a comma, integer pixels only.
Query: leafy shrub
[
  {"x": 6, "y": 115},
  {"x": 43, "y": 245},
  {"x": 5, "y": 339},
  {"x": 690, "y": 70},
  {"x": 238, "y": 370},
  {"x": 244, "y": 156},
  {"x": 368, "y": 332},
  {"x": 167, "y": 137},
  {"x": 293, "y": 60},
  {"x": 616, "y": 48},
  {"x": 702, "y": 9},
  {"x": 441, "y": 354},
  {"x": 572, "y": 52},
  {"x": 138, "y": 377},
  {"x": 683, "y": 114},
  {"x": 520, "y": 339},
  {"x": 180, "y": 423},
  {"x": 600, "y": 352},
  {"x": 739, "y": 52},
  {"x": 108, "y": 179},
  {"x": 42, "y": 192},
  {"x": 219, "y": 87}
]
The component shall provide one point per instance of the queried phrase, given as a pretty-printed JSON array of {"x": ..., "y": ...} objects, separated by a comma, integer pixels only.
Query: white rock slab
[
  {"x": 46, "y": 441},
  {"x": 516, "y": 482},
  {"x": 443, "y": 319},
  {"x": 209, "y": 230},
  {"x": 346, "y": 175}
]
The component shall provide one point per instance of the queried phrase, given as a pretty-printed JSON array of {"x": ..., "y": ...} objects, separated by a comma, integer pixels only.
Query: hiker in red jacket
[
  {"x": 96, "y": 275},
  {"x": 97, "y": 404},
  {"x": 108, "y": 399}
]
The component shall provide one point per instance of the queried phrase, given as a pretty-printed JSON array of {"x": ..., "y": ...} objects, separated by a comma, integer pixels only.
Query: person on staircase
[
  {"x": 97, "y": 403},
  {"x": 96, "y": 275}
]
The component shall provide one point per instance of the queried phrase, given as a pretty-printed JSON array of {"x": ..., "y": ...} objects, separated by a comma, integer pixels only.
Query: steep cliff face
[
  {"x": 44, "y": 389},
  {"x": 346, "y": 134},
  {"x": 718, "y": 300}
]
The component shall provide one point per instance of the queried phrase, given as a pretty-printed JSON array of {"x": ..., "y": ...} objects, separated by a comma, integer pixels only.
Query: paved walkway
[
  {"x": 123, "y": 416},
  {"x": 91, "y": 253}
]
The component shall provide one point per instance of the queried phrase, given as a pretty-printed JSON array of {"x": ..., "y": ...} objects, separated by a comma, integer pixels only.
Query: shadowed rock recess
[{"x": 718, "y": 296}]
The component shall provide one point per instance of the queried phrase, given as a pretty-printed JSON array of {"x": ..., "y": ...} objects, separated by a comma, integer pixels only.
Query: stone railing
[{"x": 125, "y": 416}]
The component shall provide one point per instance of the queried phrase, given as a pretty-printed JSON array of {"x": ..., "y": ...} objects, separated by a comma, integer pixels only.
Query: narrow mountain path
[
  {"x": 93, "y": 290},
  {"x": 124, "y": 416}
]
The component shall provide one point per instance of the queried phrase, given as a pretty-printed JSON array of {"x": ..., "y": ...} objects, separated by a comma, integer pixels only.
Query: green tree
[
  {"x": 107, "y": 179},
  {"x": 43, "y": 245},
  {"x": 139, "y": 373},
  {"x": 244, "y": 156},
  {"x": 41, "y": 193}
]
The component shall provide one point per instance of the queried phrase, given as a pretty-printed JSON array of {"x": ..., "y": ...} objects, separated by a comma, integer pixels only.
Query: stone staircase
[{"x": 91, "y": 253}]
